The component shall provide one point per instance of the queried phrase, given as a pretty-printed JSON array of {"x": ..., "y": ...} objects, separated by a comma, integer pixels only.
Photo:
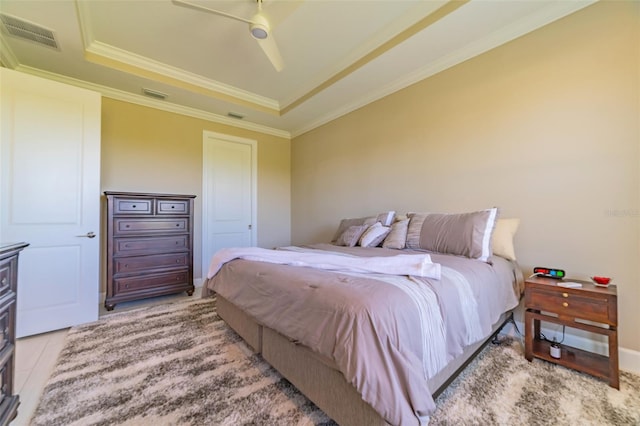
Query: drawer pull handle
[
  {"x": 565, "y": 294},
  {"x": 173, "y": 207},
  {"x": 565, "y": 304},
  {"x": 134, "y": 206},
  {"x": 126, "y": 286},
  {"x": 4, "y": 281},
  {"x": 6, "y": 331}
]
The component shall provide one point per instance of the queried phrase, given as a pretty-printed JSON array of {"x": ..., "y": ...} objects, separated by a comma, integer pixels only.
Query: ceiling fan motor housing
[{"x": 259, "y": 27}]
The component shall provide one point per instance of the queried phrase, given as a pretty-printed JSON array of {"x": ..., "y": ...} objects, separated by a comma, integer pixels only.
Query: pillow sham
[
  {"x": 462, "y": 234},
  {"x": 373, "y": 236},
  {"x": 397, "y": 237},
  {"x": 351, "y": 235},
  {"x": 502, "y": 240}
]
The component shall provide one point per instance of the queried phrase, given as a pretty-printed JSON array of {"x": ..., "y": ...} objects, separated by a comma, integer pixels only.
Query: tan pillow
[
  {"x": 462, "y": 234},
  {"x": 351, "y": 235},
  {"x": 397, "y": 235},
  {"x": 502, "y": 240},
  {"x": 373, "y": 236}
]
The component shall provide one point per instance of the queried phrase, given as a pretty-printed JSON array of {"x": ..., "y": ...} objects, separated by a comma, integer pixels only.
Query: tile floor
[{"x": 36, "y": 357}]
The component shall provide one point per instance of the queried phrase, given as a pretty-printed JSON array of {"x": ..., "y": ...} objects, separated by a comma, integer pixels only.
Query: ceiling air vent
[
  {"x": 155, "y": 94},
  {"x": 235, "y": 115},
  {"x": 28, "y": 31}
]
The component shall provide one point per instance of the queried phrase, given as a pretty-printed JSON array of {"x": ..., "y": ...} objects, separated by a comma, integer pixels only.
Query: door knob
[{"x": 87, "y": 235}]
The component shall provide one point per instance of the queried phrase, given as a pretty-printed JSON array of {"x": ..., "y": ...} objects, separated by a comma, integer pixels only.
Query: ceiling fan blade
[
  {"x": 270, "y": 49},
  {"x": 212, "y": 11}
]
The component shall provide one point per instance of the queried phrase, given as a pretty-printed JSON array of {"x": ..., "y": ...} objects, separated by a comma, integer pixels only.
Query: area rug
[{"x": 180, "y": 364}]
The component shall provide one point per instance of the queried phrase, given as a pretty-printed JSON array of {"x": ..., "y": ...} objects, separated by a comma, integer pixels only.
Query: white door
[
  {"x": 50, "y": 198},
  {"x": 229, "y": 198}
]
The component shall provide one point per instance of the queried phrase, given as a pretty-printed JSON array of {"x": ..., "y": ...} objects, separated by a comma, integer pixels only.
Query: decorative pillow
[
  {"x": 373, "y": 236},
  {"x": 351, "y": 235},
  {"x": 345, "y": 223},
  {"x": 463, "y": 234},
  {"x": 502, "y": 240},
  {"x": 397, "y": 235},
  {"x": 386, "y": 218}
]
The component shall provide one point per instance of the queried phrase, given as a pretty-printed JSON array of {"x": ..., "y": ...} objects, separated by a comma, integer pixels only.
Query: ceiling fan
[{"x": 258, "y": 26}]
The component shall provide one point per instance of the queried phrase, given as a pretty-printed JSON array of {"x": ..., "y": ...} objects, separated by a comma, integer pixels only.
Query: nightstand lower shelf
[
  {"x": 577, "y": 359},
  {"x": 603, "y": 367}
]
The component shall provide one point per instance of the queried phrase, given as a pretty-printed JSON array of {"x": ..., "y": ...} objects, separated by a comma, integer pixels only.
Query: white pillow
[
  {"x": 502, "y": 240},
  {"x": 373, "y": 236}
]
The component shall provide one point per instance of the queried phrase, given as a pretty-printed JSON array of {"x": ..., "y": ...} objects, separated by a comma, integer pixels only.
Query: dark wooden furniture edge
[{"x": 9, "y": 404}]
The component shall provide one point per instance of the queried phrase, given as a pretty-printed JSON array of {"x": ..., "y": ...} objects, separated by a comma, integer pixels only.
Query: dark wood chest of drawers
[
  {"x": 149, "y": 245},
  {"x": 8, "y": 291}
]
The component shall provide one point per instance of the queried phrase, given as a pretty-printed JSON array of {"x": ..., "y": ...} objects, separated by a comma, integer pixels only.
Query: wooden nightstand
[{"x": 573, "y": 307}]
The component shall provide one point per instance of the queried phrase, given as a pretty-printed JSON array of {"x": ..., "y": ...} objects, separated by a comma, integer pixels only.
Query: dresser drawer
[
  {"x": 132, "y": 205},
  {"x": 133, "y": 284},
  {"x": 172, "y": 207},
  {"x": 148, "y": 245},
  {"x": 564, "y": 303},
  {"x": 5, "y": 278},
  {"x": 125, "y": 265},
  {"x": 150, "y": 226},
  {"x": 5, "y": 338}
]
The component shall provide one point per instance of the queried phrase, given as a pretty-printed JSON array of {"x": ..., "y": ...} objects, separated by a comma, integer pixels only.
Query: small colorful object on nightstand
[{"x": 601, "y": 281}]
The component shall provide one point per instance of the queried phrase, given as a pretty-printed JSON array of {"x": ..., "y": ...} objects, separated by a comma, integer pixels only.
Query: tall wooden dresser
[
  {"x": 149, "y": 245},
  {"x": 8, "y": 292}
]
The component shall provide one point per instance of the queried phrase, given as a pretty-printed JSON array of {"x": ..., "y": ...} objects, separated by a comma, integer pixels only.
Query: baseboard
[{"x": 628, "y": 359}]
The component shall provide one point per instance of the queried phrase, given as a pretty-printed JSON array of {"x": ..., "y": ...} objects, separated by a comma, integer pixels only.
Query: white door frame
[{"x": 206, "y": 134}]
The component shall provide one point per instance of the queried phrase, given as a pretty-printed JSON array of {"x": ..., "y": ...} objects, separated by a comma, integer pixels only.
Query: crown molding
[
  {"x": 506, "y": 34},
  {"x": 122, "y": 60},
  {"x": 157, "y": 104}
]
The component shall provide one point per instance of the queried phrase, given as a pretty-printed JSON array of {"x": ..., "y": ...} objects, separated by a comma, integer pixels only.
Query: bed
[{"x": 366, "y": 346}]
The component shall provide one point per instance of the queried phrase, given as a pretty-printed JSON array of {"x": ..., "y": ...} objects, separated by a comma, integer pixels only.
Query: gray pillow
[
  {"x": 351, "y": 235},
  {"x": 463, "y": 234},
  {"x": 345, "y": 223}
]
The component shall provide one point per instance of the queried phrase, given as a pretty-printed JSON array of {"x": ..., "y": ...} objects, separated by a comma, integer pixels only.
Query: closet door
[{"x": 50, "y": 198}]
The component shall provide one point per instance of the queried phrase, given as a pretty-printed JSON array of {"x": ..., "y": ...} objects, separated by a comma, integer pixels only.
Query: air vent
[
  {"x": 235, "y": 115},
  {"x": 155, "y": 94},
  {"x": 28, "y": 31}
]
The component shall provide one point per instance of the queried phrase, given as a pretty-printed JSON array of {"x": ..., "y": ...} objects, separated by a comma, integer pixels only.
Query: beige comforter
[{"x": 386, "y": 334}]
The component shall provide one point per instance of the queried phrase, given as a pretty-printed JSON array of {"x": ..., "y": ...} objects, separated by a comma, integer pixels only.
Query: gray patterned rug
[{"x": 179, "y": 364}]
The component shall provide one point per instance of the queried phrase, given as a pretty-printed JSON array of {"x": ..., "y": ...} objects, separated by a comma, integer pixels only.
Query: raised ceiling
[{"x": 338, "y": 55}]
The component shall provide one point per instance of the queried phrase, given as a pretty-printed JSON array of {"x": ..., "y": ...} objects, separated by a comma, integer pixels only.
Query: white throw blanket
[{"x": 403, "y": 264}]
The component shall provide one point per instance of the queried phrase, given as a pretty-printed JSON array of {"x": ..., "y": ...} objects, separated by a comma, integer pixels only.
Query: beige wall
[
  {"x": 545, "y": 127},
  {"x": 149, "y": 150}
]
